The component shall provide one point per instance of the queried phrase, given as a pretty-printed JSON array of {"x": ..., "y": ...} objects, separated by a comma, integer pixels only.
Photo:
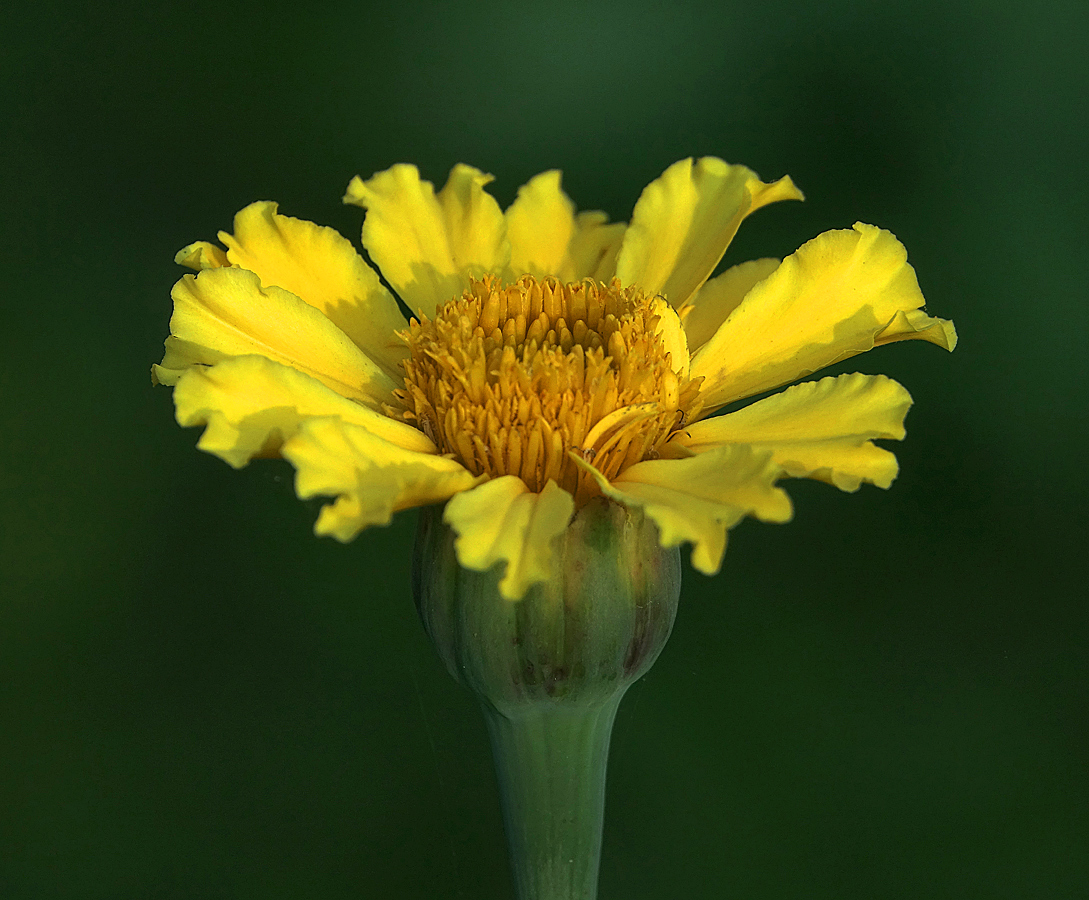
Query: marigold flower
[{"x": 553, "y": 357}]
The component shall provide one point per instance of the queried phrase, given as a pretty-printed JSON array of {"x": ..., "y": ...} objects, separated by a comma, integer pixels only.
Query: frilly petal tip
[
  {"x": 778, "y": 511},
  {"x": 355, "y": 192},
  {"x": 331, "y": 523},
  {"x": 950, "y": 332}
]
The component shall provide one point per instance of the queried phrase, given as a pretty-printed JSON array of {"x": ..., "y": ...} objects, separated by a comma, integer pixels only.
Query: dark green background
[{"x": 199, "y": 699}]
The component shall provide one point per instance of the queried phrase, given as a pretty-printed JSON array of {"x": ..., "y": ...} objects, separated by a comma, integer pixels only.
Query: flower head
[{"x": 552, "y": 357}]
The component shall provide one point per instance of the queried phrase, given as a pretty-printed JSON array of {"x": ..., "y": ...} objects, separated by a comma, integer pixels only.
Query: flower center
[{"x": 508, "y": 380}]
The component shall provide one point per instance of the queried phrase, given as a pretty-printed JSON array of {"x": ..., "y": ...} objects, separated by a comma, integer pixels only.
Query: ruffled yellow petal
[
  {"x": 820, "y": 429},
  {"x": 684, "y": 221},
  {"x": 201, "y": 255},
  {"x": 595, "y": 245},
  {"x": 428, "y": 245},
  {"x": 540, "y": 224},
  {"x": 225, "y": 312},
  {"x": 503, "y": 521},
  {"x": 370, "y": 477},
  {"x": 179, "y": 358},
  {"x": 475, "y": 227},
  {"x": 697, "y": 499},
  {"x": 251, "y": 405},
  {"x": 719, "y": 297},
  {"x": 837, "y": 296},
  {"x": 548, "y": 238},
  {"x": 320, "y": 267}
]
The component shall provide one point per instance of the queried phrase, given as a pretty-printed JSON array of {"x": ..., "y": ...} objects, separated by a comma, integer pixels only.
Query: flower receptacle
[{"x": 594, "y": 627}]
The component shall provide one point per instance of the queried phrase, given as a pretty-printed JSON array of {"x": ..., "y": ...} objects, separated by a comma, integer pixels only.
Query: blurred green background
[{"x": 199, "y": 699}]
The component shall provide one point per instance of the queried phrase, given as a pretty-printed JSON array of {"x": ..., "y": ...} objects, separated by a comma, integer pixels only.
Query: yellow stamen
[{"x": 512, "y": 380}]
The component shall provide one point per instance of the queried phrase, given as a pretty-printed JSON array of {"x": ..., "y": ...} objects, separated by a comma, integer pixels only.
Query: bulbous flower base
[{"x": 549, "y": 671}]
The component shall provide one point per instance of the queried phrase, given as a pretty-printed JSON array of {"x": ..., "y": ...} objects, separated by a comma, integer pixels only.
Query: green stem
[{"x": 550, "y": 759}]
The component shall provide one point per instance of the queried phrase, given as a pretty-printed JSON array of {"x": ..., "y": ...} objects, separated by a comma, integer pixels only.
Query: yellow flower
[{"x": 553, "y": 357}]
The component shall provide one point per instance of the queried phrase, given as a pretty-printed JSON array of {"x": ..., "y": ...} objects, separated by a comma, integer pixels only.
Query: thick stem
[{"x": 550, "y": 760}]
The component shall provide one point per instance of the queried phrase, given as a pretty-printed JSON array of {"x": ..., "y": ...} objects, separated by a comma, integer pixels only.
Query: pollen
[{"x": 519, "y": 379}]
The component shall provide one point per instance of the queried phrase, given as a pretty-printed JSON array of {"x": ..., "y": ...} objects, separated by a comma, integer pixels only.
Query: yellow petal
[
  {"x": 202, "y": 255},
  {"x": 684, "y": 221},
  {"x": 820, "y": 429},
  {"x": 917, "y": 324},
  {"x": 224, "y": 312},
  {"x": 474, "y": 223},
  {"x": 719, "y": 297},
  {"x": 831, "y": 299},
  {"x": 428, "y": 245},
  {"x": 697, "y": 499},
  {"x": 320, "y": 267},
  {"x": 179, "y": 358},
  {"x": 548, "y": 238},
  {"x": 503, "y": 521},
  {"x": 370, "y": 477},
  {"x": 673, "y": 336},
  {"x": 594, "y": 247},
  {"x": 251, "y": 405},
  {"x": 540, "y": 223}
]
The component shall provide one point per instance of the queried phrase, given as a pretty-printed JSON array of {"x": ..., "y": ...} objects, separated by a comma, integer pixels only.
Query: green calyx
[{"x": 588, "y": 632}]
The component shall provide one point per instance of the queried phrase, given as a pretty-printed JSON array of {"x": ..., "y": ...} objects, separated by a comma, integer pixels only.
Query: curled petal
[
  {"x": 225, "y": 312},
  {"x": 202, "y": 255},
  {"x": 915, "y": 323},
  {"x": 319, "y": 266},
  {"x": 673, "y": 336},
  {"x": 840, "y": 294},
  {"x": 252, "y": 405},
  {"x": 503, "y": 521},
  {"x": 370, "y": 477},
  {"x": 685, "y": 220},
  {"x": 180, "y": 357},
  {"x": 699, "y": 498},
  {"x": 428, "y": 245},
  {"x": 819, "y": 429}
]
